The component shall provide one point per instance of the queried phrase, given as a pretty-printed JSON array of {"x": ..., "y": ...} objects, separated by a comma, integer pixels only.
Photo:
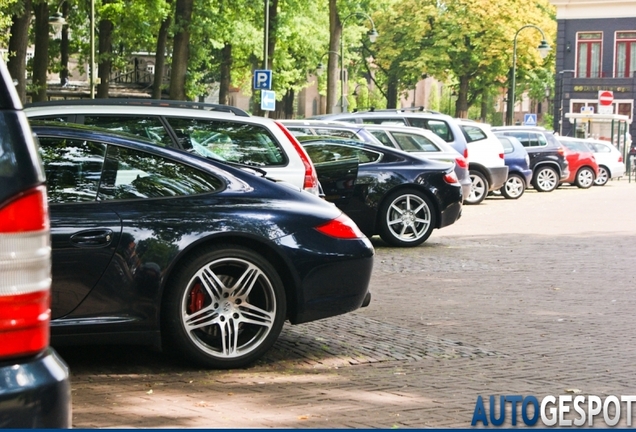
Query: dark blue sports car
[
  {"x": 394, "y": 194},
  {"x": 157, "y": 246},
  {"x": 518, "y": 162}
]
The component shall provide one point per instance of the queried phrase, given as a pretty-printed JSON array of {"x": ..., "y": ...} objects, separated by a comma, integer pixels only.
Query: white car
[
  {"x": 609, "y": 159},
  {"x": 488, "y": 170},
  {"x": 215, "y": 131}
]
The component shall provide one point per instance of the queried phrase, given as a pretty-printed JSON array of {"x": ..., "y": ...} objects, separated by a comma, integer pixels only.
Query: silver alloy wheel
[
  {"x": 514, "y": 187},
  {"x": 478, "y": 189},
  {"x": 585, "y": 178},
  {"x": 547, "y": 180},
  {"x": 408, "y": 218},
  {"x": 603, "y": 176},
  {"x": 228, "y": 308}
]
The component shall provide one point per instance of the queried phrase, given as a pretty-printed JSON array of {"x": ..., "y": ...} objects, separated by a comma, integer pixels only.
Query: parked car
[
  {"x": 582, "y": 164},
  {"x": 35, "y": 391},
  {"x": 547, "y": 155},
  {"x": 398, "y": 196},
  {"x": 609, "y": 159},
  {"x": 488, "y": 170},
  {"x": 417, "y": 141},
  {"x": 211, "y": 130},
  {"x": 443, "y": 125},
  {"x": 518, "y": 163},
  {"x": 153, "y": 245}
]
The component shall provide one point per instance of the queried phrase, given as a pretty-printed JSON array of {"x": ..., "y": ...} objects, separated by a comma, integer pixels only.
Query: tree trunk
[
  {"x": 273, "y": 26},
  {"x": 105, "y": 57},
  {"x": 392, "y": 92},
  {"x": 335, "y": 33},
  {"x": 485, "y": 99},
  {"x": 18, "y": 42},
  {"x": 461, "y": 107},
  {"x": 225, "y": 79},
  {"x": 180, "y": 52},
  {"x": 41, "y": 53},
  {"x": 160, "y": 57},
  {"x": 64, "y": 47}
]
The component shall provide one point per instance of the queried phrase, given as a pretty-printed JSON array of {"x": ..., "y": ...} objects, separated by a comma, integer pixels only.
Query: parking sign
[{"x": 263, "y": 79}]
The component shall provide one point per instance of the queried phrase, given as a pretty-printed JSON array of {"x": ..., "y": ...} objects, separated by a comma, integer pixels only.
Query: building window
[
  {"x": 588, "y": 51},
  {"x": 625, "y": 54}
]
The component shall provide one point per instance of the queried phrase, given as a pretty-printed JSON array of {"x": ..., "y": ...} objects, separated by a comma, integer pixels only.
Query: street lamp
[
  {"x": 373, "y": 34},
  {"x": 320, "y": 67},
  {"x": 544, "y": 49}
]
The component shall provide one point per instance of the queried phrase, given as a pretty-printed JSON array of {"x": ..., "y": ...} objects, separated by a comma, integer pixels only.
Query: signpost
[
  {"x": 263, "y": 79},
  {"x": 530, "y": 119},
  {"x": 605, "y": 102}
]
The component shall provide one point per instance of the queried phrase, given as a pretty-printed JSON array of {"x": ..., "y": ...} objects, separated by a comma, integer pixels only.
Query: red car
[{"x": 583, "y": 165}]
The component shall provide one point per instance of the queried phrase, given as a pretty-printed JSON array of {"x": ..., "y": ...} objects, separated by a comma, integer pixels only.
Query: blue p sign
[{"x": 262, "y": 79}]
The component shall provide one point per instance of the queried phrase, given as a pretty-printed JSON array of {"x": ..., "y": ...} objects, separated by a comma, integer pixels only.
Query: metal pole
[
  {"x": 92, "y": 70},
  {"x": 342, "y": 74},
  {"x": 266, "y": 45}
]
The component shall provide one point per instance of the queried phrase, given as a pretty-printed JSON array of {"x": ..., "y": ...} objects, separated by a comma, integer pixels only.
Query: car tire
[
  {"x": 584, "y": 178},
  {"x": 224, "y": 307},
  {"x": 514, "y": 187},
  {"x": 546, "y": 179},
  {"x": 603, "y": 176},
  {"x": 407, "y": 218},
  {"x": 478, "y": 188}
]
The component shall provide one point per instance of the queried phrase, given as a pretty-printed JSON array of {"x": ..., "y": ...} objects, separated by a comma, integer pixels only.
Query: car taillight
[
  {"x": 620, "y": 158},
  {"x": 310, "y": 183},
  {"x": 25, "y": 274},
  {"x": 461, "y": 162},
  {"x": 341, "y": 227},
  {"x": 501, "y": 155},
  {"x": 561, "y": 151},
  {"x": 451, "y": 177},
  {"x": 466, "y": 153}
]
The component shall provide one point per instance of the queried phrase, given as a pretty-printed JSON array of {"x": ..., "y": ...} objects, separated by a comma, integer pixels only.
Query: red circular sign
[{"x": 605, "y": 98}]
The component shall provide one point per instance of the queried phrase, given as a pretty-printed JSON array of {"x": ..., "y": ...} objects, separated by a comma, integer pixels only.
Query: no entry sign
[{"x": 605, "y": 97}]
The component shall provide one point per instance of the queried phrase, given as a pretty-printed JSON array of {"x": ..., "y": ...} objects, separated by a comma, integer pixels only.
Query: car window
[
  {"x": 231, "y": 141},
  {"x": 148, "y": 127},
  {"x": 336, "y": 132},
  {"x": 440, "y": 127},
  {"x": 384, "y": 121},
  {"x": 73, "y": 168},
  {"x": 329, "y": 152},
  {"x": 135, "y": 174},
  {"x": 383, "y": 137},
  {"x": 300, "y": 130},
  {"x": 575, "y": 146},
  {"x": 507, "y": 145},
  {"x": 414, "y": 143},
  {"x": 600, "y": 148},
  {"x": 529, "y": 139},
  {"x": 473, "y": 133}
]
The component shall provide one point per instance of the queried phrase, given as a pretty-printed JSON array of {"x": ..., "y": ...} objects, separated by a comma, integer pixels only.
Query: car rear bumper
[
  {"x": 498, "y": 177},
  {"x": 35, "y": 393}
]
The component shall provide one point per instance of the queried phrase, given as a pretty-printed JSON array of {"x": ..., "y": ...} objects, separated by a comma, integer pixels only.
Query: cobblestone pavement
[{"x": 529, "y": 297}]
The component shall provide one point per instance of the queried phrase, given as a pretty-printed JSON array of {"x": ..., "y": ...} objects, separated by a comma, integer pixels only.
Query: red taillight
[
  {"x": 461, "y": 162},
  {"x": 25, "y": 275},
  {"x": 311, "y": 179},
  {"x": 561, "y": 151},
  {"x": 501, "y": 155},
  {"x": 620, "y": 158},
  {"x": 341, "y": 227},
  {"x": 466, "y": 153},
  {"x": 451, "y": 178}
]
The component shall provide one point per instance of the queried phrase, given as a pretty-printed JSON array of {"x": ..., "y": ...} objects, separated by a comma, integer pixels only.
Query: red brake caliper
[{"x": 196, "y": 299}]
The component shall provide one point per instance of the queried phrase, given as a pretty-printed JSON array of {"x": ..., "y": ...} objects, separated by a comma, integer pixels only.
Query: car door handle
[{"x": 92, "y": 238}]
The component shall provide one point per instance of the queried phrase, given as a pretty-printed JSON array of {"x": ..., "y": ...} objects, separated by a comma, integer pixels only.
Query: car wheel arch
[
  {"x": 549, "y": 163},
  {"x": 472, "y": 166},
  {"x": 269, "y": 253}
]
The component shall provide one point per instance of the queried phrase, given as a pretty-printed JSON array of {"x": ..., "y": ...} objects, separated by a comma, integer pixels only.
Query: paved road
[{"x": 529, "y": 297}]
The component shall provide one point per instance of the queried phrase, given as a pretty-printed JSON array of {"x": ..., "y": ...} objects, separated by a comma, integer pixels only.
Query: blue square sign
[
  {"x": 530, "y": 119},
  {"x": 268, "y": 100},
  {"x": 262, "y": 79}
]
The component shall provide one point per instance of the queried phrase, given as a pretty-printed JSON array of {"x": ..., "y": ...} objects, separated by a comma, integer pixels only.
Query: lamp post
[
  {"x": 320, "y": 67},
  {"x": 543, "y": 48},
  {"x": 92, "y": 59},
  {"x": 373, "y": 34}
]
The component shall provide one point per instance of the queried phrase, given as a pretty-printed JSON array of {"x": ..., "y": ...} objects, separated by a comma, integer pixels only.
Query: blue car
[{"x": 518, "y": 162}]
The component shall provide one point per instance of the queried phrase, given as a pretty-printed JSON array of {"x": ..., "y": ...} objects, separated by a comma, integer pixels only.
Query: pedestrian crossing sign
[{"x": 530, "y": 119}]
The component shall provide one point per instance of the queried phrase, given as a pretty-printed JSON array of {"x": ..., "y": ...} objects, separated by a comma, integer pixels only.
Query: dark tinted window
[
  {"x": 329, "y": 152},
  {"x": 73, "y": 168},
  {"x": 529, "y": 139},
  {"x": 335, "y": 132},
  {"x": 148, "y": 127},
  {"x": 235, "y": 142},
  {"x": 440, "y": 127},
  {"x": 135, "y": 174}
]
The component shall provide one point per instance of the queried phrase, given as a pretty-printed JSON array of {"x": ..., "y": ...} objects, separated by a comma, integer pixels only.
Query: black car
[
  {"x": 394, "y": 194},
  {"x": 34, "y": 381},
  {"x": 547, "y": 156},
  {"x": 154, "y": 245}
]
